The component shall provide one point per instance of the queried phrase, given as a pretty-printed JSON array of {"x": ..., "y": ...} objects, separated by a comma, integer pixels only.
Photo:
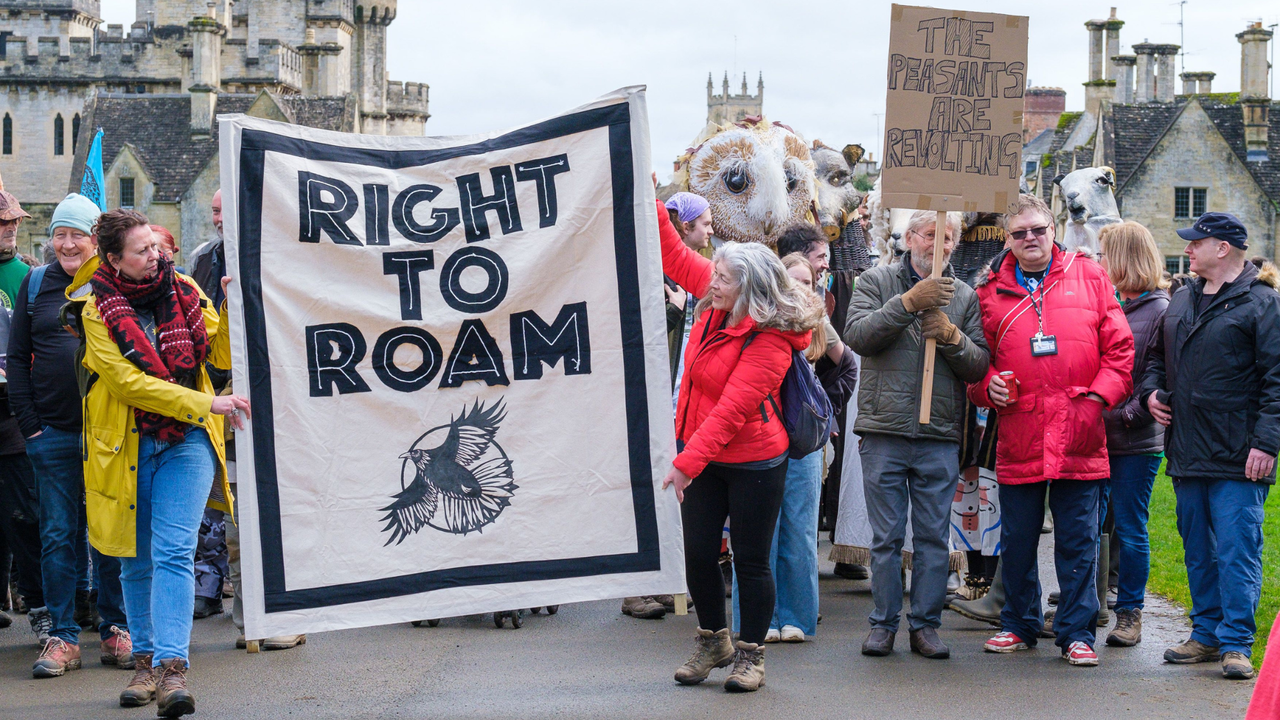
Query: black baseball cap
[{"x": 1223, "y": 226}]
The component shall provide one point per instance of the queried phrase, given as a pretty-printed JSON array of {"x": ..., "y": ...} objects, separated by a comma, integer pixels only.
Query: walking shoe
[
  {"x": 791, "y": 634},
  {"x": 1046, "y": 630},
  {"x": 714, "y": 650},
  {"x": 17, "y": 603},
  {"x": 118, "y": 649},
  {"x": 1079, "y": 653},
  {"x": 668, "y": 602},
  {"x": 56, "y": 658},
  {"x": 1005, "y": 642},
  {"x": 284, "y": 642},
  {"x": 141, "y": 689},
  {"x": 1235, "y": 666},
  {"x": 41, "y": 624},
  {"x": 986, "y": 608},
  {"x": 1191, "y": 651},
  {"x": 646, "y": 608},
  {"x": 86, "y": 613},
  {"x": 206, "y": 607},
  {"x": 1128, "y": 630},
  {"x": 849, "y": 571},
  {"x": 926, "y": 642},
  {"x": 772, "y": 636},
  {"x": 1054, "y": 597},
  {"x": 173, "y": 699},
  {"x": 879, "y": 643},
  {"x": 748, "y": 669}
]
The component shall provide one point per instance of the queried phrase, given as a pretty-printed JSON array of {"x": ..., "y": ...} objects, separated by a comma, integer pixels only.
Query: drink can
[{"x": 1011, "y": 383}]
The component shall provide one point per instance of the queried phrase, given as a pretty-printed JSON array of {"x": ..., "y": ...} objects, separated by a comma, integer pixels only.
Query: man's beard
[{"x": 8, "y": 253}]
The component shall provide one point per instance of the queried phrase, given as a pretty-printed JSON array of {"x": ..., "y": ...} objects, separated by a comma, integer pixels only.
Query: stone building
[
  {"x": 156, "y": 88},
  {"x": 1176, "y": 156},
  {"x": 724, "y": 108},
  {"x": 1041, "y": 108}
]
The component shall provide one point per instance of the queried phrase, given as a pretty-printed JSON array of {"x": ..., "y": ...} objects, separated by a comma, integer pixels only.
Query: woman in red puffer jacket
[{"x": 732, "y": 459}]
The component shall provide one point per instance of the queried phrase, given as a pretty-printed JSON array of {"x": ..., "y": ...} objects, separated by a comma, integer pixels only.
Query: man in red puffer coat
[{"x": 1050, "y": 317}]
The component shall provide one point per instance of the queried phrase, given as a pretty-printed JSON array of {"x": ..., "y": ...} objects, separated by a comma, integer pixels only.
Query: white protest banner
[{"x": 456, "y": 353}]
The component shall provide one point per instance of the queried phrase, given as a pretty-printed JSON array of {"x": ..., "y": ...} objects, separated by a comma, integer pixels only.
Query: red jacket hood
[{"x": 798, "y": 339}]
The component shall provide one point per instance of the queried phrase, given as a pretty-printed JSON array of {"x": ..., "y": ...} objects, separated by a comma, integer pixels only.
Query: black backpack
[{"x": 806, "y": 410}]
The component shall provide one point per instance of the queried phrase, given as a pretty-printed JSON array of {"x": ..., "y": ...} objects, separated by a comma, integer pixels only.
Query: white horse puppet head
[
  {"x": 1088, "y": 194},
  {"x": 757, "y": 175}
]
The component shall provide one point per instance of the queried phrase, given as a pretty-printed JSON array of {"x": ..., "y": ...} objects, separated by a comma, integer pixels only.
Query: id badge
[{"x": 1042, "y": 345}]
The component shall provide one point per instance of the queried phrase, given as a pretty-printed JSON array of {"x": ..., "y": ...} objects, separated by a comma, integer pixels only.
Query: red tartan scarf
[{"x": 180, "y": 332}]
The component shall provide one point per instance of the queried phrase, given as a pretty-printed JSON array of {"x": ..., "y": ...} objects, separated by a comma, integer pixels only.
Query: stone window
[
  {"x": 1189, "y": 202},
  {"x": 8, "y": 134},
  {"x": 59, "y": 136},
  {"x": 75, "y": 132},
  {"x": 1175, "y": 264},
  {"x": 126, "y": 192}
]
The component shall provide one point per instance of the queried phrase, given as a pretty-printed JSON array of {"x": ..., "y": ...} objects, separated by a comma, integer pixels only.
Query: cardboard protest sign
[
  {"x": 456, "y": 353},
  {"x": 953, "y": 124}
]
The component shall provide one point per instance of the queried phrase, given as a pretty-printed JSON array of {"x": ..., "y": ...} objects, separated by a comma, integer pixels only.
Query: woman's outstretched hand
[
  {"x": 679, "y": 480},
  {"x": 230, "y": 406}
]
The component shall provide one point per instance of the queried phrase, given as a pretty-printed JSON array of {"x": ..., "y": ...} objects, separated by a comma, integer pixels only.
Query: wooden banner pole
[{"x": 931, "y": 345}]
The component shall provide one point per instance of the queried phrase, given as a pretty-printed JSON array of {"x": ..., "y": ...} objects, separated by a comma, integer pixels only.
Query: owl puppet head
[{"x": 758, "y": 177}]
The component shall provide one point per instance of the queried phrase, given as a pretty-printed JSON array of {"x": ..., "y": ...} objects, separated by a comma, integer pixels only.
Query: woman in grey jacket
[{"x": 1135, "y": 441}]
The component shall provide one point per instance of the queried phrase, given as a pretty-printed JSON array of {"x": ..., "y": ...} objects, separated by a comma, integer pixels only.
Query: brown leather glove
[
  {"x": 929, "y": 293},
  {"x": 935, "y": 324}
]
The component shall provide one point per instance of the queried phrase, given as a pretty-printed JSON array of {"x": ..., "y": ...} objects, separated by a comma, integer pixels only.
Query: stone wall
[
  {"x": 196, "y": 217},
  {"x": 33, "y": 172},
  {"x": 1193, "y": 154}
]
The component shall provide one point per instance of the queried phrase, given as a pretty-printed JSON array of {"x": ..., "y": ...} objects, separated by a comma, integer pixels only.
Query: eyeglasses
[{"x": 1037, "y": 231}]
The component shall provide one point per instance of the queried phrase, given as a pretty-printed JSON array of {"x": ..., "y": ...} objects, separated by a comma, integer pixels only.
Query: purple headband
[{"x": 687, "y": 206}]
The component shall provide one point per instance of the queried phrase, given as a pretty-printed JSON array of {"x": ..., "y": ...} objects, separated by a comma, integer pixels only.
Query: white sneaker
[
  {"x": 792, "y": 634},
  {"x": 772, "y": 636}
]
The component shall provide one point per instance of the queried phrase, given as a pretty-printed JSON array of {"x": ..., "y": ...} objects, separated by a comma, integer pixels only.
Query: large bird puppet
[{"x": 460, "y": 485}]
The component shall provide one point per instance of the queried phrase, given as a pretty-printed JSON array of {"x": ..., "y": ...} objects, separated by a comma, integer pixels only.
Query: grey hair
[
  {"x": 925, "y": 218},
  {"x": 765, "y": 291}
]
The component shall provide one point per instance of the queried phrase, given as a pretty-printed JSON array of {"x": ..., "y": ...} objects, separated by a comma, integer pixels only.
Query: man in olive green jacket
[{"x": 894, "y": 309}]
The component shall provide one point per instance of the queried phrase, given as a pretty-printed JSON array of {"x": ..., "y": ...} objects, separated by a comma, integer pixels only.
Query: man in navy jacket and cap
[{"x": 1213, "y": 377}]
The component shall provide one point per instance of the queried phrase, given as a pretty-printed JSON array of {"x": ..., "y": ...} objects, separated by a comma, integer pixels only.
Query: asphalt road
[{"x": 590, "y": 661}]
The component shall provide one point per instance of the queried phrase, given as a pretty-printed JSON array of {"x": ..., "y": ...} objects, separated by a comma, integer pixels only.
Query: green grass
[{"x": 1169, "y": 574}]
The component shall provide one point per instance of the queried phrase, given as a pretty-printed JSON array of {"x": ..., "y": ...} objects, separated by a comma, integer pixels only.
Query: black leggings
[{"x": 751, "y": 500}]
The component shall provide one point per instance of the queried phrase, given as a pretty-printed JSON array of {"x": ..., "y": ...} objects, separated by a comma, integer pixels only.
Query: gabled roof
[
  {"x": 158, "y": 129},
  {"x": 1229, "y": 120},
  {"x": 1135, "y": 131}
]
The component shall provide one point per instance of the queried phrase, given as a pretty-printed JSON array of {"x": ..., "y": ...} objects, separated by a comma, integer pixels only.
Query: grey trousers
[{"x": 919, "y": 476}]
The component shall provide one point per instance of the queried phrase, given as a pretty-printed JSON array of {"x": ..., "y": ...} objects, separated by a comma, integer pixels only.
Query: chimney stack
[
  {"x": 1113, "y": 45},
  {"x": 1123, "y": 65},
  {"x": 1146, "y": 72},
  {"x": 1254, "y": 100},
  {"x": 1096, "y": 66},
  {"x": 1197, "y": 83},
  {"x": 206, "y": 75},
  {"x": 1165, "y": 80}
]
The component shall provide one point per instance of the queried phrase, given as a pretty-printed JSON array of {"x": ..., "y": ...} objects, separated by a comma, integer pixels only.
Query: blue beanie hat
[{"x": 75, "y": 211}]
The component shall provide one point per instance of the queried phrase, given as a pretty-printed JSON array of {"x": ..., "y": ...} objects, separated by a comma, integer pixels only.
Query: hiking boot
[
  {"x": 173, "y": 699},
  {"x": 1005, "y": 642},
  {"x": 879, "y": 643},
  {"x": 849, "y": 571},
  {"x": 974, "y": 588},
  {"x": 1046, "y": 630},
  {"x": 1128, "y": 630},
  {"x": 283, "y": 642},
  {"x": 748, "y": 669},
  {"x": 117, "y": 649},
  {"x": 17, "y": 603},
  {"x": 1191, "y": 651},
  {"x": 86, "y": 613},
  {"x": 668, "y": 602},
  {"x": 987, "y": 608},
  {"x": 1054, "y": 597},
  {"x": 206, "y": 607},
  {"x": 646, "y": 608},
  {"x": 1079, "y": 653},
  {"x": 141, "y": 689},
  {"x": 926, "y": 642},
  {"x": 714, "y": 650},
  {"x": 41, "y": 624},
  {"x": 56, "y": 659},
  {"x": 1235, "y": 666}
]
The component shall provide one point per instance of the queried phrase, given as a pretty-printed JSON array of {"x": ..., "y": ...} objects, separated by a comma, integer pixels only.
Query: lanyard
[{"x": 1037, "y": 305}]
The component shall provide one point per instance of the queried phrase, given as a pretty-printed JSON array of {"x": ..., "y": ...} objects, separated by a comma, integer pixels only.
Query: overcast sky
[{"x": 494, "y": 64}]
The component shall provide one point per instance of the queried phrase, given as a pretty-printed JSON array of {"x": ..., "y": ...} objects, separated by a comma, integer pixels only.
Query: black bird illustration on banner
[{"x": 461, "y": 484}]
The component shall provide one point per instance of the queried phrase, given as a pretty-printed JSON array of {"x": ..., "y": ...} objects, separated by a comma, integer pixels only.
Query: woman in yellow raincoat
[{"x": 153, "y": 440}]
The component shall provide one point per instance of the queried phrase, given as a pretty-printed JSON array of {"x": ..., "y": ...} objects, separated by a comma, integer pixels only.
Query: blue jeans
[
  {"x": 1075, "y": 558},
  {"x": 55, "y": 457},
  {"x": 159, "y": 582},
  {"x": 794, "y": 559},
  {"x": 1221, "y": 526},
  {"x": 1128, "y": 492}
]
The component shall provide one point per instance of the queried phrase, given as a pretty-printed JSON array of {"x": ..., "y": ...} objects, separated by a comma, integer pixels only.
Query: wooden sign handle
[{"x": 931, "y": 345}]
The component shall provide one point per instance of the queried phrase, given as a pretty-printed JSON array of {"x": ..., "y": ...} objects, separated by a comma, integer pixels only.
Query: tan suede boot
[
  {"x": 173, "y": 699},
  {"x": 748, "y": 669},
  {"x": 715, "y": 650},
  {"x": 141, "y": 689}
]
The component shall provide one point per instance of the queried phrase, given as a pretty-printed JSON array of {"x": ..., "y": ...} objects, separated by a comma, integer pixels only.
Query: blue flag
[{"x": 93, "y": 182}]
